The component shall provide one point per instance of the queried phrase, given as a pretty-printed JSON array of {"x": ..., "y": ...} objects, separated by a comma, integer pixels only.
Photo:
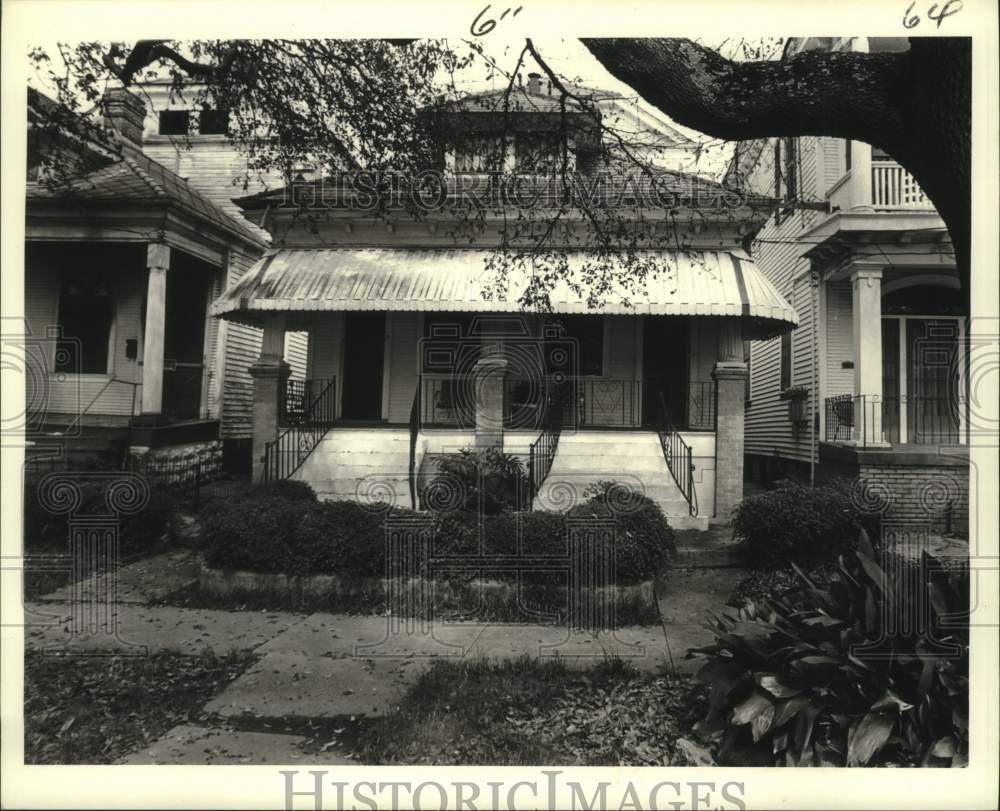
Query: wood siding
[
  {"x": 779, "y": 255},
  {"x": 241, "y": 352}
]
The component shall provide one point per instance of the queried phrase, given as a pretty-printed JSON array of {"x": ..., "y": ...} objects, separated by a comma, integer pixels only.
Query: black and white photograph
[{"x": 608, "y": 393}]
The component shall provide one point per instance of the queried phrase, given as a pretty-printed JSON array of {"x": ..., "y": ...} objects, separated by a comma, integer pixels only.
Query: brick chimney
[
  {"x": 535, "y": 83},
  {"x": 125, "y": 112}
]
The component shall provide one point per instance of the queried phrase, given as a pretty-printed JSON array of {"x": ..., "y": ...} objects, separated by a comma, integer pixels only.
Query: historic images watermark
[
  {"x": 542, "y": 789},
  {"x": 433, "y": 190}
]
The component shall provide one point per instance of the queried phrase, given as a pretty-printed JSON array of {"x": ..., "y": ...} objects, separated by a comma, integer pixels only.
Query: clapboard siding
[
  {"x": 779, "y": 254},
  {"x": 839, "y": 339},
  {"x": 324, "y": 357},
  {"x": 402, "y": 364},
  {"x": 242, "y": 350},
  {"x": 211, "y": 350},
  {"x": 834, "y": 162},
  {"x": 296, "y": 353}
]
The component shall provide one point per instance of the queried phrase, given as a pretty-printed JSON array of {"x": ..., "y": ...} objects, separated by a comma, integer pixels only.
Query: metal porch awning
[{"x": 701, "y": 283}]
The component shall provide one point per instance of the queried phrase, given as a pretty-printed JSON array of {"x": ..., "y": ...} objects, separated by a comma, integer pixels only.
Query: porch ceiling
[{"x": 701, "y": 283}]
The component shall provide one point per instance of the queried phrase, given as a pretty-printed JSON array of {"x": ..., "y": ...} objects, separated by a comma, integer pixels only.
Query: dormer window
[
  {"x": 174, "y": 122},
  {"x": 213, "y": 122},
  {"x": 481, "y": 154},
  {"x": 541, "y": 154}
]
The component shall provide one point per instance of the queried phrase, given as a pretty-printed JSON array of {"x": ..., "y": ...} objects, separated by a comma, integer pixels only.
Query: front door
[
  {"x": 364, "y": 355},
  {"x": 664, "y": 369},
  {"x": 184, "y": 339}
]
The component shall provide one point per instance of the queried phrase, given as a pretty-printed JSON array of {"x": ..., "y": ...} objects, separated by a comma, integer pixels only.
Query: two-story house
[{"x": 871, "y": 385}]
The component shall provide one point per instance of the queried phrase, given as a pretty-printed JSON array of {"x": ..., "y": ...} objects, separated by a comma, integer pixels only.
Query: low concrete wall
[{"x": 225, "y": 582}]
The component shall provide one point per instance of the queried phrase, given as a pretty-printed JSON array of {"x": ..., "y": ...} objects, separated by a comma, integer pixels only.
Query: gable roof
[{"x": 132, "y": 176}]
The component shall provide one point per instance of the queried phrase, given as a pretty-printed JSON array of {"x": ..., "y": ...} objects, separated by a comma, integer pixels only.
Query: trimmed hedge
[
  {"x": 274, "y": 534},
  {"x": 797, "y": 524}
]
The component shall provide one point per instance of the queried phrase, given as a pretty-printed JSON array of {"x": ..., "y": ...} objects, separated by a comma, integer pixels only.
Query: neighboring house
[
  {"x": 408, "y": 360},
  {"x": 872, "y": 382},
  {"x": 122, "y": 261}
]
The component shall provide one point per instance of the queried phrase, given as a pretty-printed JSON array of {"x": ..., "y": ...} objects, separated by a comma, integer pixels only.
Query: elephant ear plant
[{"x": 871, "y": 669}]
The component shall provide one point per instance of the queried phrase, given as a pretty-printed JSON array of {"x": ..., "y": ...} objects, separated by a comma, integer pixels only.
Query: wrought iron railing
[
  {"x": 295, "y": 397},
  {"x": 447, "y": 401},
  {"x": 292, "y": 447},
  {"x": 864, "y": 419},
  {"x": 542, "y": 451},
  {"x": 678, "y": 456}
]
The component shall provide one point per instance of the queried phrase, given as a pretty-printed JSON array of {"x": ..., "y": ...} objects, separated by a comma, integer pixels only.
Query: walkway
[{"x": 325, "y": 667}]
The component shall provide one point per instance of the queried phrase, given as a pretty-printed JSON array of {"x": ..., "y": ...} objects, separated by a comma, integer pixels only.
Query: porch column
[
  {"x": 157, "y": 262},
  {"x": 861, "y": 177},
  {"x": 489, "y": 378},
  {"x": 866, "y": 311},
  {"x": 269, "y": 374},
  {"x": 730, "y": 374}
]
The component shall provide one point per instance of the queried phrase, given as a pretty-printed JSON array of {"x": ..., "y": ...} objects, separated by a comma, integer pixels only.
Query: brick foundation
[{"x": 926, "y": 489}]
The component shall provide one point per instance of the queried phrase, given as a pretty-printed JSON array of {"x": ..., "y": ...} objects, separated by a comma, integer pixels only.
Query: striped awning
[{"x": 709, "y": 283}]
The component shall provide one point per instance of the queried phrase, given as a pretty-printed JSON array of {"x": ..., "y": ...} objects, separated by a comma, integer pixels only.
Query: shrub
[
  {"x": 47, "y": 530},
  {"x": 290, "y": 489},
  {"x": 794, "y": 523},
  {"x": 342, "y": 537},
  {"x": 644, "y": 541},
  {"x": 488, "y": 481},
  {"x": 819, "y": 676},
  {"x": 252, "y": 533}
]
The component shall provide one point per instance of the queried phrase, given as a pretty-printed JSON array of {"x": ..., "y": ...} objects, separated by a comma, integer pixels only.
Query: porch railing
[
  {"x": 590, "y": 402},
  {"x": 292, "y": 447},
  {"x": 913, "y": 419},
  {"x": 542, "y": 451},
  {"x": 296, "y": 396},
  {"x": 678, "y": 456},
  {"x": 895, "y": 188}
]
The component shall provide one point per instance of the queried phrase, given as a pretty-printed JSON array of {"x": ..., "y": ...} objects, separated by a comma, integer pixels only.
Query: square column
[
  {"x": 866, "y": 311},
  {"x": 154, "y": 329},
  {"x": 489, "y": 380},
  {"x": 730, "y": 374},
  {"x": 269, "y": 374}
]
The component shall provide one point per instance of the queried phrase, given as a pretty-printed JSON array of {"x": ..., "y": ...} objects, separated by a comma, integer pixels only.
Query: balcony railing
[
  {"x": 867, "y": 419},
  {"x": 895, "y": 188}
]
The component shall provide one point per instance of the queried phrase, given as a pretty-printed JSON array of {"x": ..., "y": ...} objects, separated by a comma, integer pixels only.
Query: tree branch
[{"x": 839, "y": 94}]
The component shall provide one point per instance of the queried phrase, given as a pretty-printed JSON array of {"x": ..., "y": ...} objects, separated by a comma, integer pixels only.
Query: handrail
[
  {"x": 97, "y": 397},
  {"x": 414, "y": 431},
  {"x": 542, "y": 451},
  {"x": 285, "y": 455},
  {"x": 679, "y": 458}
]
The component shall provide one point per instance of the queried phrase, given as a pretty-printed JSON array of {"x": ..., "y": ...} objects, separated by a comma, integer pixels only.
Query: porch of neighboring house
[
  {"x": 895, "y": 408},
  {"x": 122, "y": 349},
  {"x": 654, "y": 401}
]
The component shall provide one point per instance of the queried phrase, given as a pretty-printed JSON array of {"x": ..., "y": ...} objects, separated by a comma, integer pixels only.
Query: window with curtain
[{"x": 86, "y": 312}]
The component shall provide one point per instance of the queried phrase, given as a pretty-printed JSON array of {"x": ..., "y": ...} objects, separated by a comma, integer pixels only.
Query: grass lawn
[
  {"x": 531, "y": 712},
  {"x": 98, "y": 709}
]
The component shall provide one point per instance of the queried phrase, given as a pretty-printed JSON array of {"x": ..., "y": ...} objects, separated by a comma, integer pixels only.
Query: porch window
[
  {"x": 86, "y": 311},
  {"x": 586, "y": 333}
]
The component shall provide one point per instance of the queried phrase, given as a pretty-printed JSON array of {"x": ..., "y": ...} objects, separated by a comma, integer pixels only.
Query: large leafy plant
[{"x": 871, "y": 669}]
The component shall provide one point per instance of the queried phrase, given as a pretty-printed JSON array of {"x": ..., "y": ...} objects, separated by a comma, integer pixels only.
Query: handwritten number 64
[
  {"x": 933, "y": 13},
  {"x": 481, "y": 27}
]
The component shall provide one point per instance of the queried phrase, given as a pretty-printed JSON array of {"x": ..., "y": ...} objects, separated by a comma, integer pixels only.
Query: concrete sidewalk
[{"x": 334, "y": 666}]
